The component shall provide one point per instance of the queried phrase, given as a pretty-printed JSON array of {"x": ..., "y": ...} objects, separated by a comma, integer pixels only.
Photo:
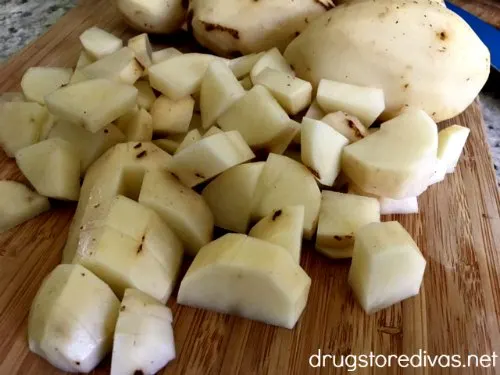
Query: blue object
[{"x": 487, "y": 33}]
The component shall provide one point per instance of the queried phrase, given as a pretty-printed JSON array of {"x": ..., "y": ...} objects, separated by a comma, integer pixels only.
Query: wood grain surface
[{"x": 457, "y": 229}]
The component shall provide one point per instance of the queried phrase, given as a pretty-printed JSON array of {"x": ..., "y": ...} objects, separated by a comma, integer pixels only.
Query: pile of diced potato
[{"x": 166, "y": 144}]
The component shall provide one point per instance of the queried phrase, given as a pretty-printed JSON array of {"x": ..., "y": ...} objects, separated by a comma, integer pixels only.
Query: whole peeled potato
[
  {"x": 230, "y": 28},
  {"x": 154, "y": 16},
  {"x": 422, "y": 55}
]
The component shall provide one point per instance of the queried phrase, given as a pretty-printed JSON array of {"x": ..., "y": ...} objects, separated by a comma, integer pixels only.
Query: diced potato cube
[
  {"x": 242, "y": 66},
  {"x": 191, "y": 137},
  {"x": 347, "y": 125},
  {"x": 172, "y": 116},
  {"x": 387, "y": 266},
  {"x": 142, "y": 47},
  {"x": 99, "y": 43},
  {"x": 451, "y": 143},
  {"x": 137, "y": 125},
  {"x": 84, "y": 59},
  {"x": 40, "y": 81},
  {"x": 145, "y": 96}
]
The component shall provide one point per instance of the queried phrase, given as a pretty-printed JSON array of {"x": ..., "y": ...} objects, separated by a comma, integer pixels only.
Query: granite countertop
[{"x": 24, "y": 20}]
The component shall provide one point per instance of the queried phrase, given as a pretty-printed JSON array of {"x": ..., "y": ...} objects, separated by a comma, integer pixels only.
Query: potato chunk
[
  {"x": 347, "y": 125},
  {"x": 99, "y": 43},
  {"x": 451, "y": 143},
  {"x": 40, "y": 81},
  {"x": 387, "y": 266},
  {"x": 172, "y": 116}
]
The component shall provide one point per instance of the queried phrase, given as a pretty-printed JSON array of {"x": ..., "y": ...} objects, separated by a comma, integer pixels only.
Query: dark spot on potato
[
  {"x": 77, "y": 363},
  {"x": 327, "y": 4},
  {"x": 328, "y": 20},
  {"x": 306, "y": 20},
  {"x": 82, "y": 274},
  {"x": 338, "y": 238},
  {"x": 97, "y": 205},
  {"x": 216, "y": 27},
  {"x": 141, "y": 154},
  {"x": 185, "y": 4},
  {"x": 139, "y": 249},
  {"x": 123, "y": 308},
  {"x": 314, "y": 172},
  {"x": 397, "y": 22},
  {"x": 138, "y": 372},
  {"x": 199, "y": 175},
  {"x": 297, "y": 33},
  {"x": 106, "y": 131},
  {"x": 291, "y": 66},
  {"x": 138, "y": 145},
  {"x": 467, "y": 80},
  {"x": 276, "y": 215},
  {"x": 81, "y": 228},
  {"x": 234, "y": 54},
  {"x": 406, "y": 85},
  {"x": 433, "y": 113},
  {"x": 443, "y": 35},
  {"x": 175, "y": 176},
  {"x": 189, "y": 20},
  {"x": 348, "y": 237}
]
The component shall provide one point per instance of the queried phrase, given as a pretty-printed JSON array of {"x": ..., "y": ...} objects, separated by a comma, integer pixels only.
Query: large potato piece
[
  {"x": 153, "y": 16},
  {"x": 19, "y": 204},
  {"x": 420, "y": 55},
  {"x": 241, "y": 275},
  {"x": 396, "y": 161},
  {"x": 243, "y": 27},
  {"x": 144, "y": 339},
  {"x": 72, "y": 319}
]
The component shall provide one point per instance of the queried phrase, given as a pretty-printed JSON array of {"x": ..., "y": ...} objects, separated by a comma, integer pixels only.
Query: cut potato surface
[
  {"x": 321, "y": 150},
  {"x": 99, "y": 43},
  {"x": 340, "y": 216},
  {"x": 387, "y": 266},
  {"x": 144, "y": 339},
  {"x": 282, "y": 227},
  {"x": 132, "y": 248},
  {"x": 451, "y": 144},
  {"x": 94, "y": 103},
  {"x": 52, "y": 167},
  {"x": 120, "y": 66},
  {"x": 191, "y": 137},
  {"x": 257, "y": 116},
  {"x": 284, "y": 182},
  {"x": 184, "y": 210},
  {"x": 84, "y": 59},
  {"x": 168, "y": 145},
  {"x": 271, "y": 59},
  {"x": 118, "y": 171},
  {"x": 40, "y": 81},
  {"x": 245, "y": 276},
  {"x": 242, "y": 66},
  {"x": 164, "y": 54},
  {"x": 89, "y": 146},
  {"x": 18, "y": 204},
  {"x": 209, "y": 157},
  {"x": 366, "y": 103},
  {"x": 293, "y": 94},
  {"x": 281, "y": 143},
  {"x": 172, "y": 116},
  {"x": 398, "y": 160},
  {"x": 180, "y": 76},
  {"x": 230, "y": 194},
  {"x": 142, "y": 48},
  {"x": 77, "y": 76},
  {"x": 212, "y": 131},
  {"x": 389, "y": 206},
  {"x": 315, "y": 112},
  {"x": 72, "y": 319},
  {"x": 21, "y": 125},
  {"x": 145, "y": 95},
  {"x": 219, "y": 90},
  {"x": 137, "y": 126},
  {"x": 347, "y": 125}
]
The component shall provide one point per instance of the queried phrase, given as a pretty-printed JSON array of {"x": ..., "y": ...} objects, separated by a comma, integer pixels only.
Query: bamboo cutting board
[{"x": 457, "y": 229}]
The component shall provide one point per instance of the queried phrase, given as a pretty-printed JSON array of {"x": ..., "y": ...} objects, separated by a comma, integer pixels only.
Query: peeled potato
[{"x": 40, "y": 81}]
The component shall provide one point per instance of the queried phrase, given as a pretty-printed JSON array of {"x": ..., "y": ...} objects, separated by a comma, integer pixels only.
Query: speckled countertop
[{"x": 22, "y": 21}]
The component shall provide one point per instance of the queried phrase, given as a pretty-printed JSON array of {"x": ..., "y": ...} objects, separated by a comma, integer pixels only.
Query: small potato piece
[
  {"x": 19, "y": 204},
  {"x": 398, "y": 160},
  {"x": 132, "y": 248},
  {"x": 99, "y": 43},
  {"x": 89, "y": 146},
  {"x": 181, "y": 208},
  {"x": 191, "y": 137},
  {"x": 165, "y": 54},
  {"x": 144, "y": 339},
  {"x": 167, "y": 145},
  {"x": 230, "y": 194},
  {"x": 145, "y": 95},
  {"x": 40, "y": 81},
  {"x": 94, "y": 103},
  {"x": 315, "y": 112},
  {"x": 242, "y": 66},
  {"x": 172, "y": 116},
  {"x": 389, "y": 206},
  {"x": 84, "y": 59},
  {"x": 142, "y": 47},
  {"x": 366, "y": 103},
  {"x": 257, "y": 116},
  {"x": 255, "y": 279},
  {"x": 137, "y": 126},
  {"x": 219, "y": 90},
  {"x": 20, "y": 125},
  {"x": 52, "y": 167},
  {"x": 321, "y": 150},
  {"x": 340, "y": 216},
  {"x": 387, "y": 266},
  {"x": 153, "y": 16},
  {"x": 293, "y": 94},
  {"x": 271, "y": 59},
  {"x": 285, "y": 182},
  {"x": 282, "y": 227},
  {"x": 72, "y": 319},
  {"x": 246, "y": 83},
  {"x": 120, "y": 66},
  {"x": 451, "y": 143},
  {"x": 180, "y": 76},
  {"x": 347, "y": 125},
  {"x": 209, "y": 157}
]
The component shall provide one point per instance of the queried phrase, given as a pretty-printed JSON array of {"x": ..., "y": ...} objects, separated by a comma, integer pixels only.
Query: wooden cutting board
[{"x": 457, "y": 229}]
